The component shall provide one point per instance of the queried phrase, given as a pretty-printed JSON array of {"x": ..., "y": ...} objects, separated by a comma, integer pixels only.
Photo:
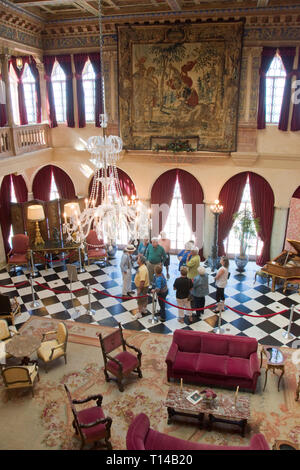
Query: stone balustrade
[{"x": 23, "y": 139}]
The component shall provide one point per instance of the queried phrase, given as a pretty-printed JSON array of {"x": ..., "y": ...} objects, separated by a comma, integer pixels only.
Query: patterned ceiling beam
[
  {"x": 174, "y": 5},
  {"x": 112, "y": 4},
  {"x": 262, "y": 3},
  {"x": 86, "y": 6}
]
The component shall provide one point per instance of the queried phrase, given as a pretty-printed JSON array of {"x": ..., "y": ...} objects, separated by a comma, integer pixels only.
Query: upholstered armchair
[
  {"x": 50, "y": 350},
  {"x": 9, "y": 308},
  {"x": 123, "y": 363},
  {"x": 95, "y": 248},
  {"x": 17, "y": 377},
  {"x": 5, "y": 336},
  {"x": 18, "y": 255},
  {"x": 90, "y": 424}
]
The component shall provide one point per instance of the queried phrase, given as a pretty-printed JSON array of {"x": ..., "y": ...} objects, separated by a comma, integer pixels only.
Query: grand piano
[{"x": 285, "y": 266}]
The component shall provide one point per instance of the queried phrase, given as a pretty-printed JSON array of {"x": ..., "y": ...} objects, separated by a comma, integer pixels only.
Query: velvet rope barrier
[
  {"x": 188, "y": 309},
  {"x": 16, "y": 285},
  {"x": 56, "y": 291},
  {"x": 120, "y": 297}
]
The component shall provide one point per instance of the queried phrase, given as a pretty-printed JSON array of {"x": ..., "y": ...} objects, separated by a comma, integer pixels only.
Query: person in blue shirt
[
  {"x": 160, "y": 286},
  {"x": 183, "y": 254},
  {"x": 143, "y": 246}
]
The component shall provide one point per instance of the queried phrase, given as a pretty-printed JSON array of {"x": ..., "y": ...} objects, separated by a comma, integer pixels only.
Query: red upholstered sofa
[
  {"x": 211, "y": 359},
  {"x": 141, "y": 437}
]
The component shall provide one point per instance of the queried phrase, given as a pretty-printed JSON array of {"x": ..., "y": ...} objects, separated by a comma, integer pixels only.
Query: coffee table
[
  {"x": 23, "y": 346},
  {"x": 275, "y": 360},
  {"x": 222, "y": 410}
]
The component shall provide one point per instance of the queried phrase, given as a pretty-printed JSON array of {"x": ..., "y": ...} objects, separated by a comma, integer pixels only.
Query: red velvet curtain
[
  {"x": 21, "y": 96},
  {"x": 41, "y": 185},
  {"x": 162, "y": 193},
  {"x": 268, "y": 54},
  {"x": 297, "y": 193},
  {"x": 48, "y": 61},
  {"x": 295, "y": 122},
  {"x": 36, "y": 75},
  {"x": 79, "y": 62},
  {"x": 20, "y": 188},
  {"x": 3, "y": 115},
  {"x": 96, "y": 64},
  {"x": 230, "y": 197},
  {"x": 126, "y": 184},
  {"x": 5, "y": 217},
  {"x": 287, "y": 55},
  {"x": 262, "y": 199},
  {"x": 64, "y": 183},
  {"x": 64, "y": 61}
]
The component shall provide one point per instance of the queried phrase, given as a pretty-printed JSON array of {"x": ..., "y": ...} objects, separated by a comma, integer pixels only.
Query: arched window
[
  {"x": 177, "y": 226},
  {"x": 13, "y": 85},
  {"x": 29, "y": 93},
  {"x": 88, "y": 83},
  {"x": 275, "y": 80},
  {"x": 54, "y": 194},
  {"x": 58, "y": 79}
]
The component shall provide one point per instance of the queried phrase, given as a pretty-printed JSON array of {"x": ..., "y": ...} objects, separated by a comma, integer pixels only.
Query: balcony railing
[{"x": 23, "y": 139}]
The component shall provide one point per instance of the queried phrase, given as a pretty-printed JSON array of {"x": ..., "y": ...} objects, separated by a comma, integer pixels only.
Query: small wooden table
[
  {"x": 22, "y": 346},
  {"x": 298, "y": 389},
  {"x": 275, "y": 360},
  {"x": 284, "y": 445},
  {"x": 223, "y": 410}
]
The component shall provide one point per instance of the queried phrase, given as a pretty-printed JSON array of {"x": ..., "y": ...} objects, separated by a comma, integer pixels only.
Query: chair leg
[
  {"x": 139, "y": 373},
  {"x": 107, "y": 378},
  {"x": 108, "y": 444},
  {"x": 65, "y": 358},
  {"x": 120, "y": 384}
]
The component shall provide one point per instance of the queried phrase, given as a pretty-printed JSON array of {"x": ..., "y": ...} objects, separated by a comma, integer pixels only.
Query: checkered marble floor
[{"x": 241, "y": 294}]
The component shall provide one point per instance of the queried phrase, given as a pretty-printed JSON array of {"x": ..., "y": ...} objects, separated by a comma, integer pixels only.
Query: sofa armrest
[
  {"x": 258, "y": 442},
  {"x": 170, "y": 359},
  {"x": 137, "y": 432},
  {"x": 254, "y": 364}
]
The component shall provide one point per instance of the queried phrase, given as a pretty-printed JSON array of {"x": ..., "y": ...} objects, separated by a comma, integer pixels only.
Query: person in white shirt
[{"x": 221, "y": 282}]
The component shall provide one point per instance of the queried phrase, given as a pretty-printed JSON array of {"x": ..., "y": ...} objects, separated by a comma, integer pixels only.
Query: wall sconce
[{"x": 36, "y": 214}]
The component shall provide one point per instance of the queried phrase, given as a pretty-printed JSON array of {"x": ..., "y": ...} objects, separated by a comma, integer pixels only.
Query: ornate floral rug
[{"x": 45, "y": 421}]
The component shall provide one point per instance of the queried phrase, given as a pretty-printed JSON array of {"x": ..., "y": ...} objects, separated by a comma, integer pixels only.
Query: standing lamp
[
  {"x": 213, "y": 260},
  {"x": 36, "y": 214}
]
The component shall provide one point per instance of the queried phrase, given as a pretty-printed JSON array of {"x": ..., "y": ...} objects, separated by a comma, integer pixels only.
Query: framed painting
[{"x": 177, "y": 81}]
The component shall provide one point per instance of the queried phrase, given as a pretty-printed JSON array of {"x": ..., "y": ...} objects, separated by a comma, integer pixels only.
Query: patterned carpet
[
  {"x": 45, "y": 421},
  {"x": 241, "y": 294}
]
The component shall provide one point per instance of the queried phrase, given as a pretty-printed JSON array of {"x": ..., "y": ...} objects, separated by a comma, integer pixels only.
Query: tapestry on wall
[
  {"x": 293, "y": 227},
  {"x": 179, "y": 82}
]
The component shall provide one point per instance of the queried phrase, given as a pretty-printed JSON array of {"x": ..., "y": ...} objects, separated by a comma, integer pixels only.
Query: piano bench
[
  {"x": 295, "y": 281},
  {"x": 262, "y": 274}
]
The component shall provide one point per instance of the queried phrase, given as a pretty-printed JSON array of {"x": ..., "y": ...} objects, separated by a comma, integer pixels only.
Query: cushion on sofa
[
  {"x": 214, "y": 344},
  {"x": 185, "y": 363},
  {"x": 187, "y": 341},
  {"x": 238, "y": 367},
  {"x": 242, "y": 347},
  {"x": 211, "y": 364}
]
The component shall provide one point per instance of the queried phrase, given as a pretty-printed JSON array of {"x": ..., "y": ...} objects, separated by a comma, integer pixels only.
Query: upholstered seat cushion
[
  {"x": 238, "y": 367},
  {"x": 18, "y": 259},
  {"x": 185, "y": 363},
  {"x": 128, "y": 360},
  {"x": 211, "y": 364},
  {"x": 91, "y": 415},
  {"x": 97, "y": 252},
  {"x": 44, "y": 350}
]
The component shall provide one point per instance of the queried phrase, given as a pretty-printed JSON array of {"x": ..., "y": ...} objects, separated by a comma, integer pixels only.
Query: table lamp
[{"x": 36, "y": 214}]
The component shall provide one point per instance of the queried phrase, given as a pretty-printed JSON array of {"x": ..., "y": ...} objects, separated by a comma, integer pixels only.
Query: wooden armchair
[
  {"x": 5, "y": 336},
  {"x": 9, "y": 308},
  {"x": 95, "y": 248},
  {"x": 19, "y": 255},
  {"x": 16, "y": 377},
  {"x": 55, "y": 348},
  {"x": 90, "y": 424},
  {"x": 123, "y": 363}
]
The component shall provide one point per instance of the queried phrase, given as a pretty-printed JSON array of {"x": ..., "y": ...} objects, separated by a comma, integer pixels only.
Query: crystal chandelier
[{"x": 115, "y": 212}]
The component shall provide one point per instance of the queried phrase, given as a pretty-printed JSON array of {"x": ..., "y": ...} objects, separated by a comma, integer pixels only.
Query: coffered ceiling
[{"x": 52, "y": 10}]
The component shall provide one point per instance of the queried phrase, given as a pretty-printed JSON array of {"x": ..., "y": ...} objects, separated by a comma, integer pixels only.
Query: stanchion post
[
  {"x": 287, "y": 334},
  {"x": 81, "y": 268},
  {"x": 153, "y": 320},
  {"x": 34, "y": 303},
  {"x": 34, "y": 272},
  {"x": 90, "y": 311},
  {"x": 218, "y": 329}
]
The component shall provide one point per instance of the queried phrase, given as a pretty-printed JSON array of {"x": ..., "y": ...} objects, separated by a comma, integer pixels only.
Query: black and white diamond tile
[{"x": 242, "y": 294}]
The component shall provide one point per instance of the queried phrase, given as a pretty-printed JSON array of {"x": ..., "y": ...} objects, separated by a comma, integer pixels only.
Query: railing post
[
  {"x": 34, "y": 272},
  {"x": 218, "y": 329},
  {"x": 90, "y": 311},
  {"x": 153, "y": 320},
  {"x": 287, "y": 334},
  {"x": 34, "y": 303}
]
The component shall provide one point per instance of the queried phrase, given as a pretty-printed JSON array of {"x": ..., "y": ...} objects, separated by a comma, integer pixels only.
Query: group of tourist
[{"x": 191, "y": 286}]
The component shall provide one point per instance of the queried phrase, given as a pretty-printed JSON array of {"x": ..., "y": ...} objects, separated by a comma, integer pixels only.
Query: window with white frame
[
  {"x": 13, "y": 85},
  {"x": 54, "y": 194},
  {"x": 231, "y": 243},
  {"x": 177, "y": 227},
  {"x": 88, "y": 83},
  {"x": 275, "y": 81},
  {"x": 58, "y": 79},
  {"x": 29, "y": 94}
]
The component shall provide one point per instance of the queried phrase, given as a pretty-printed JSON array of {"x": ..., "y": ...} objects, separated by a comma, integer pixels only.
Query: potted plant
[{"x": 245, "y": 228}]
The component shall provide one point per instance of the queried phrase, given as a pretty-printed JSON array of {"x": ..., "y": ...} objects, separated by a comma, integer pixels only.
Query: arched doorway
[{"x": 51, "y": 182}]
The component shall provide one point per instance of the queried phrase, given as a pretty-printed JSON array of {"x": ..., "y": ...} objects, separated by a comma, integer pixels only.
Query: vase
[
  {"x": 241, "y": 262},
  {"x": 112, "y": 251}
]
